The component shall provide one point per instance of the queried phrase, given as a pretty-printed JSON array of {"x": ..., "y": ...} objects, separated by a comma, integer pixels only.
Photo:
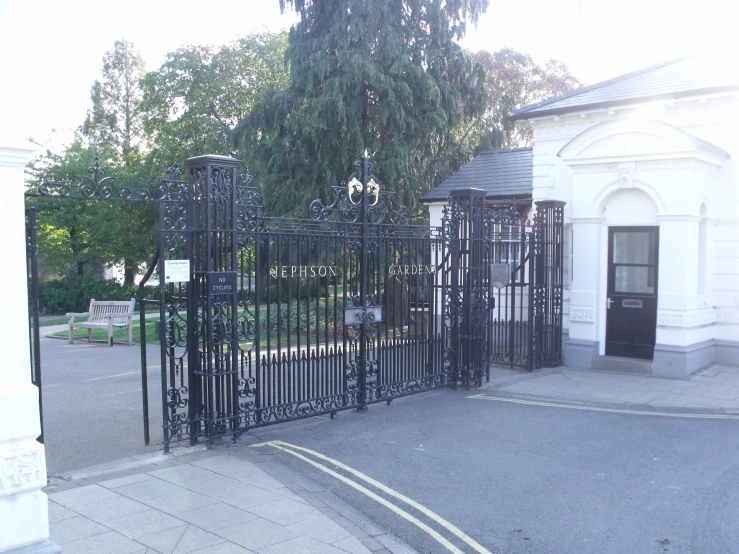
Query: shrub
[
  {"x": 62, "y": 296},
  {"x": 289, "y": 290},
  {"x": 309, "y": 319}
]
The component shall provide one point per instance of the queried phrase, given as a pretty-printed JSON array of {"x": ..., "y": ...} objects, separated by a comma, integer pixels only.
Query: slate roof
[
  {"x": 501, "y": 173},
  {"x": 692, "y": 75}
]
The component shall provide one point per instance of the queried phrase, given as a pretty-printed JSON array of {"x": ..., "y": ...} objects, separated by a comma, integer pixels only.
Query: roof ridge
[
  {"x": 499, "y": 150},
  {"x": 600, "y": 84}
]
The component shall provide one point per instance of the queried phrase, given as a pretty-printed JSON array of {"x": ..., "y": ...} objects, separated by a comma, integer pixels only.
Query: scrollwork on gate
[
  {"x": 94, "y": 186},
  {"x": 361, "y": 191}
]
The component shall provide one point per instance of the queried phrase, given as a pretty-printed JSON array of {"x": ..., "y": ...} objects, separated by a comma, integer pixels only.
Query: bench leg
[
  {"x": 110, "y": 332},
  {"x": 89, "y": 335},
  {"x": 71, "y": 335},
  {"x": 130, "y": 335}
]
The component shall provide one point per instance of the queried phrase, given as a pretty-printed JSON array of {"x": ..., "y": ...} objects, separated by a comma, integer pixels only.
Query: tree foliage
[
  {"x": 73, "y": 236},
  {"x": 387, "y": 77},
  {"x": 114, "y": 120},
  {"x": 140, "y": 123},
  {"x": 115, "y": 123},
  {"x": 193, "y": 101},
  {"x": 514, "y": 80}
]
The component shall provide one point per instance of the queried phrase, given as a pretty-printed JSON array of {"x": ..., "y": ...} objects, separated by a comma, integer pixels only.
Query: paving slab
[
  {"x": 715, "y": 388},
  {"x": 203, "y": 503},
  {"x": 216, "y": 516},
  {"x": 257, "y": 533},
  {"x": 109, "y": 542}
]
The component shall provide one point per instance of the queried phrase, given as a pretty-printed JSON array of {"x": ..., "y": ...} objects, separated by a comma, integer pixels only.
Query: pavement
[
  {"x": 221, "y": 501},
  {"x": 713, "y": 389}
]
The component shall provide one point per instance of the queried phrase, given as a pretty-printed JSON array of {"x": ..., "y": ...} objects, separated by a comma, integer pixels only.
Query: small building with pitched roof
[{"x": 647, "y": 165}]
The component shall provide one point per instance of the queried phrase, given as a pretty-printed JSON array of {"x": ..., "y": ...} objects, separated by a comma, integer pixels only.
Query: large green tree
[
  {"x": 114, "y": 123},
  {"x": 387, "y": 77},
  {"x": 193, "y": 101},
  {"x": 114, "y": 119},
  {"x": 514, "y": 80}
]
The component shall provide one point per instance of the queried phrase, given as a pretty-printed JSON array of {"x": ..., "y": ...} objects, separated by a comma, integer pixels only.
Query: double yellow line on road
[
  {"x": 305, "y": 455},
  {"x": 601, "y": 409}
]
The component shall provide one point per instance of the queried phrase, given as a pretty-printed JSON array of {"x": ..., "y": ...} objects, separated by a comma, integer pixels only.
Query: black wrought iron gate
[
  {"x": 506, "y": 290},
  {"x": 264, "y": 320},
  {"x": 288, "y": 318}
]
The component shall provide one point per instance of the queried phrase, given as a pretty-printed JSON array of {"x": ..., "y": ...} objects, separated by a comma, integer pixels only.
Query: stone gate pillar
[{"x": 24, "y": 510}]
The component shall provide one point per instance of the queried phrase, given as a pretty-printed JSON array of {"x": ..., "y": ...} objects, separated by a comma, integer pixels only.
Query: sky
[{"x": 51, "y": 50}]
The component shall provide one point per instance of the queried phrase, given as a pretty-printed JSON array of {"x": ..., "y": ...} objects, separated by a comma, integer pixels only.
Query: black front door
[{"x": 631, "y": 320}]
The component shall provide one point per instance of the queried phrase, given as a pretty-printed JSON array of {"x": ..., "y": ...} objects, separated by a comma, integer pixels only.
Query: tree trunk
[{"x": 129, "y": 272}]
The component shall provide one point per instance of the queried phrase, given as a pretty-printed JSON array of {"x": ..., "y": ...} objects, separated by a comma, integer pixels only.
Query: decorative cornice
[
  {"x": 692, "y": 163},
  {"x": 553, "y": 132},
  {"x": 21, "y": 470},
  {"x": 588, "y": 220},
  {"x": 663, "y": 164},
  {"x": 682, "y": 218},
  {"x": 687, "y": 319},
  {"x": 593, "y": 168},
  {"x": 584, "y": 314},
  {"x": 14, "y": 157},
  {"x": 727, "y": 315}
]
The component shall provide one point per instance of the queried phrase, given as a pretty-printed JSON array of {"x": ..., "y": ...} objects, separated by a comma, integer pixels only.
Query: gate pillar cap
[
  {"x": 550, "y": 203},
  {"x": 467, "y": 191},
  {"x": 200, "y": 161}
]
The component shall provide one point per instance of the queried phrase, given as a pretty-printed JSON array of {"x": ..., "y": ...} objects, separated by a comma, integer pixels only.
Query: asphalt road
[
  {"x": 92, "y": 403},
  {"x": 531, "y": 479}
]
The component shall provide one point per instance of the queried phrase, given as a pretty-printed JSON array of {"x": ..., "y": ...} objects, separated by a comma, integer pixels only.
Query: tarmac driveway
[
  {"x": 92, "y": 403},
  {"x": 521, "y": 478}
]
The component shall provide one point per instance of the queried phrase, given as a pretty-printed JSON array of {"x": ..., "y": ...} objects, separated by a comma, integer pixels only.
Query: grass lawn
[
  {"x": 63, "y": 320},
  {"x": 316, "y": 316},
  {"x": 59, "y": 321},
  {"x": 121, "y": 335}
]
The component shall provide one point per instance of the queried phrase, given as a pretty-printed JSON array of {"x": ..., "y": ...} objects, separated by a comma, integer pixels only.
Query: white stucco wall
[
  {"x": 638, "y": 165},
  {"x": 24, "y": 516}
]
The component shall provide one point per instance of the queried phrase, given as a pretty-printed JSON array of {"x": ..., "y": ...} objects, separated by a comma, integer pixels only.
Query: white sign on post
[{"x": 176, "y": 271}]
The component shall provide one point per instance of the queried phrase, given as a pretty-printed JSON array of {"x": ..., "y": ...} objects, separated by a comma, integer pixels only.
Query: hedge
[{"x": 62, "y": 296}]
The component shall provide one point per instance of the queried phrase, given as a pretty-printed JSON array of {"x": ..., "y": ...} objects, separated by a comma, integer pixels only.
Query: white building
[{"x": 648, "y": 164}]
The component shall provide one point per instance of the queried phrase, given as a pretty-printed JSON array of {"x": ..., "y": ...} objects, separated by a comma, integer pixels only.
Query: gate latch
[{"x": 360, "y": 316}]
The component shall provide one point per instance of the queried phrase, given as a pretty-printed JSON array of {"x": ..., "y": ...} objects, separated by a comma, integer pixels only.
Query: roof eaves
[
  {"x": 622, "y": 102},
  {"x": 526, "y": 110},
  {"x": 508, "y": 196}
]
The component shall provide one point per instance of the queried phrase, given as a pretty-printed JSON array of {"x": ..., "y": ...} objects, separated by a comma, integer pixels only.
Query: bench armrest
[
  {"x": 121, "y": 316},
  {"x": 72, "y": 315}
]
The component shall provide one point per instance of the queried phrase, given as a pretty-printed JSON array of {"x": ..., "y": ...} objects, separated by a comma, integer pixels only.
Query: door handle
[{"x": 609, "y": 302}]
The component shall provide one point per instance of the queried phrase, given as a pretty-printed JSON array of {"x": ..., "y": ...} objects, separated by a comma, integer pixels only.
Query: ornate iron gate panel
[
  {"x": 505, "y": 298},
  {"x": 333, "y": 312}
]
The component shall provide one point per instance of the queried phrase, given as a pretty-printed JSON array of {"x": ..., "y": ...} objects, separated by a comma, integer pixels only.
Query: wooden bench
[{"x": 104, "y": 314}]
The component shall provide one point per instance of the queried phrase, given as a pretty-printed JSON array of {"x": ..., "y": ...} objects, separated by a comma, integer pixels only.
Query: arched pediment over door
[
  {"x": 635, "y": 139},
  {"x": 675, "y": 168}
]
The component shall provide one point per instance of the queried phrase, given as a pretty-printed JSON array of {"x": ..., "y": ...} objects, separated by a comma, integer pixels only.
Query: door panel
[{"x": 631, "y": 317}]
